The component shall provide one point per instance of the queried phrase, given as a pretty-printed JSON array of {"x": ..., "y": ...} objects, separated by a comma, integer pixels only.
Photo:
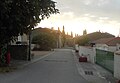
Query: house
[
  {"x": 21, "y": 40},
  {"x": 108, "y": 44}
]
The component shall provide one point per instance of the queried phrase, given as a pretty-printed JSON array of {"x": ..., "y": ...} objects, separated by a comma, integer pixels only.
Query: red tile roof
[{"x": 109, "y": 41}]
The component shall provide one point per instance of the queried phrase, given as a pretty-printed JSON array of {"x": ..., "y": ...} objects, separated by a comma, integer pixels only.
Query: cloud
[
  {"x": 103, "y": 2},
  {"x": 96, "y": 2},
  {"x": 77, "y": 15},
  {"x": 103, "y": 18},
  {"x": 97, "y": 8},
  {"x": 88, "y": 2}
]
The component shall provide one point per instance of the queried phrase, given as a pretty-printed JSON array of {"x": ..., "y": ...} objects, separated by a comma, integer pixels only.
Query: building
[
  {"x": 21, "y": 40},
  {"x": 108, "y": 44}
]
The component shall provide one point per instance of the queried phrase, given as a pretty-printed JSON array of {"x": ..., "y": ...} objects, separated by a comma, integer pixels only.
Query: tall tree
[
  {"x": 67, "y": 33},
  {"x": 19, "y": 16},
  {"x": 85, "y": 32},
  {"x": 59, "y": 30},
  {"x": 63, "y": 36},
  {"x": 71, "y": 34}
]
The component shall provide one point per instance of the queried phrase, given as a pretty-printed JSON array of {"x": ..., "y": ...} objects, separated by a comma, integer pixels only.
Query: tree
[
  {"x": 69, "y": 40},
  {"x": 19, "y": 16},
  {"x": 83, "y": 40},
  {"x": 71, "y": 34},
  {"x": 45, "y": 41},
  {"x": 63, "y": 36},
  {"x": 85, "y": 32},
  {"x": 45, "y": 38}
]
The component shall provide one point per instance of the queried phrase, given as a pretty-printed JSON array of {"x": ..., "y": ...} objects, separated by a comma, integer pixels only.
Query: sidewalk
[
  {"x": 37, "y": 55},
  {"x": 94, "y": 73}
]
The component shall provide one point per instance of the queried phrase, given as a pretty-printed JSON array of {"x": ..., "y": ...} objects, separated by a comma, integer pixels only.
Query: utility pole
[{"x": 29, "y": 54}]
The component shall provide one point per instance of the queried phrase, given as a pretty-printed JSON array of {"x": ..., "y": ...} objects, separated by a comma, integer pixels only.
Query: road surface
[{"x": 58, "y": 67}]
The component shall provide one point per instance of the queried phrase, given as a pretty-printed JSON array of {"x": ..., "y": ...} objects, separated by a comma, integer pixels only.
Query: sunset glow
[{"x": 87, "y": 19}]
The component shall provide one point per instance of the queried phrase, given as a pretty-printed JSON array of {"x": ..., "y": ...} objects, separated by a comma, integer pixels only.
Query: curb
[
  {"x": 90, "y": 79},
  {"x": 35, "y": 60},
  {"x": 77, "y": 66}
]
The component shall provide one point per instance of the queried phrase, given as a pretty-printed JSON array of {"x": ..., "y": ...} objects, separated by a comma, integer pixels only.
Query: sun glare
[{"x": 78, "y": 24}]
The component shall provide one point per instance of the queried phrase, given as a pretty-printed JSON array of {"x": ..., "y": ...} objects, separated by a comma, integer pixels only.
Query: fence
[
  {"x": 105, "y": 59},
  {"x": 3, "y": 52},
  {"x": 19, "y": 52},
  {"x": 117, "y": 65}
]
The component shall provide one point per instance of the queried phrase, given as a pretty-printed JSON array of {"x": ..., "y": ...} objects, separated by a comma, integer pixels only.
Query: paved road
[{"x": 58, "y": 67}]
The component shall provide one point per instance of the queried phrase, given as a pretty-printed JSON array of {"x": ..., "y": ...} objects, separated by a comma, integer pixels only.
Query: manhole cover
[
  {"x": 88, "y": 72},
  {"x": 56, "y": 60}
]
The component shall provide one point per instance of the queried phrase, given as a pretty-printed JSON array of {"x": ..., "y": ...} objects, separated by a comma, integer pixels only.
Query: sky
[{"x": 92, "y": 15}]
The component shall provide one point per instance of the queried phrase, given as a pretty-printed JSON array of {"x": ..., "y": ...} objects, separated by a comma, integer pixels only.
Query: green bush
[{"x": 45, "y": 41}]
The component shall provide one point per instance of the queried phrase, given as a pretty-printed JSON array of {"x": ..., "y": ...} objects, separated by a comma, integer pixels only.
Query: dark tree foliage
[
  {"x": 83, "y": 40},
  {"x": 63, "y": 36},
  {"x": 44, "y": 37},
  {"x": 85, "y": 32},
  {"x": 69, "y": 40},
  {"x": 19, "y": 16},
  {"x": 45, "y": 41},
  {"x": 71, "y": 34}
]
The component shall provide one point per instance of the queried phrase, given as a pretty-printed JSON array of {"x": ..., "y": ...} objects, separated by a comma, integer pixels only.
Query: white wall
[
  {"x": 117, "y": 65},
  {"x": 32, "y": 46},
  {"x": 19, "y": 38},
  {"x": 112, "y": 48},
  {"x": 89, "y": 52},
  {"x": 22, "y": 38},
  {"x": 76, "y": 47},
  {"x": 102, "y": 46},
  {"x": 118, "y": 47},
  {"x": 106, "y": 47}
]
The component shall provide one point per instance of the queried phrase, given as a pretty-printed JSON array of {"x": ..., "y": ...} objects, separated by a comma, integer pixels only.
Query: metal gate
[{"x": 105, "y": 59}]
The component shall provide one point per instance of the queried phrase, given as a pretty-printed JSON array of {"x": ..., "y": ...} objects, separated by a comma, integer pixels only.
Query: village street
[{"x": 59, "y": 67}]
